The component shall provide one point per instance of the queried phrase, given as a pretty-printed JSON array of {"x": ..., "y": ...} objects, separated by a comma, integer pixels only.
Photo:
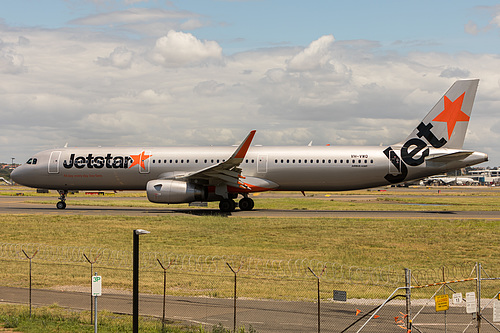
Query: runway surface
[{"x": 29, "y": 205}]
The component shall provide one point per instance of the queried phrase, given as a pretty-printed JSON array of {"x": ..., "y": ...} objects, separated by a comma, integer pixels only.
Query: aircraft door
[
  {"x": 394, "y": 163},
  {"x": 262, "y": 164},
  {"x": 147, "y": 161},
  {"x": 54, "y": 161}
]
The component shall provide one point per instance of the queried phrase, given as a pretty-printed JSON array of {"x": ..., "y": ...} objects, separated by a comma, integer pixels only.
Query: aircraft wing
[{"x": 227, "y": 171}]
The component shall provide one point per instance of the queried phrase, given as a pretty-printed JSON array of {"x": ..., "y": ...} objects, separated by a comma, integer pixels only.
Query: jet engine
[{"x": 174, "y": 191}]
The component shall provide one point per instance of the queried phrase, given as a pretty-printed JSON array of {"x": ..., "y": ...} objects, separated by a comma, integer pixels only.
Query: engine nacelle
[{"x": 174, "y": 191}]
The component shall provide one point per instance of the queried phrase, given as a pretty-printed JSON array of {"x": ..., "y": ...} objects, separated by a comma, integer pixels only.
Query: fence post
[
  {"x": 234, "y": 302},
  {"x": 319, "y": 298},
  {"x": 91, "y": 274},
  {"x": 478, "y": 284},
  {"x": 445, "y": 312},
  {"x": 30, "y": 258},
  {"x": 164, "y": 290},
  {"x": 408, "y": 298}
]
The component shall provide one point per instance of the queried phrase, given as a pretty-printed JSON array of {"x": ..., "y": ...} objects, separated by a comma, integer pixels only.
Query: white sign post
[
  {"x": 96, "y": 285},
  {"x": 96, "y": 291},
  {"x": 470, "y": 300},
  {"x": 496, "y": 311},
  {"x": 457, "y": 298}
]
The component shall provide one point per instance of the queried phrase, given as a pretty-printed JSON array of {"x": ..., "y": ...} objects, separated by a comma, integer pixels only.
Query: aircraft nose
[{"x": 16, "y": 174}]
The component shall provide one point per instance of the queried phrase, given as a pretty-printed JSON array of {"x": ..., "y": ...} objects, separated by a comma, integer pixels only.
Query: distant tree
[{"x": 5, "y": 173}]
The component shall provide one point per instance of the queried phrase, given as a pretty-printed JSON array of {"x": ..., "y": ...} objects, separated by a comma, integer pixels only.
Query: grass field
[
  {"x": 394, "y": 242},
  {"x": 60, "y": 320},
  {"x": 358, "y": 242}
]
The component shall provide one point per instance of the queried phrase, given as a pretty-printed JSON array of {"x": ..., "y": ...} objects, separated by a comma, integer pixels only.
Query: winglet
[{"x": 243, "y": 148}]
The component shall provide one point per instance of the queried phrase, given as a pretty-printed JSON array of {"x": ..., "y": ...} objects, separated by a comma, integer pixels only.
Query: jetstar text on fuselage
[{"x": 108, "y": 161}]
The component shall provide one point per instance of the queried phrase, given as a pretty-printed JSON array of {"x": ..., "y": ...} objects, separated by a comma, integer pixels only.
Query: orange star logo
[
  {"x": 452, "y": 113},
  {"x": 139, "y": 160}
]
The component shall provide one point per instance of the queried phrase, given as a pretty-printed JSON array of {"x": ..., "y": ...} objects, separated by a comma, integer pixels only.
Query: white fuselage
[{"x": 291, "y": 168}]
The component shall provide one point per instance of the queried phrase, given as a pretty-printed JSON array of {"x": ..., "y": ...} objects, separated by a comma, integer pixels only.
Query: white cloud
[
  {"x": 11, "y": 62},
  {"x": 132, "y": 15},
  {"x": 121, "y": 57},
  {"x": 471, "y": 28},
  {"x": 317, "y": 55},
  {"x": 180, "y": 49},
  {"x": 143, "y": 21}
]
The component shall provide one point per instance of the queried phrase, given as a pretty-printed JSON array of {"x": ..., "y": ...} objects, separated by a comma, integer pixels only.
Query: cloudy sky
[{"x": 206, "y": 72}]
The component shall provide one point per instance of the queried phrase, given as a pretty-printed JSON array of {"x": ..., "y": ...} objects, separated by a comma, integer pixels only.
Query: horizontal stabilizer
[{"x": 446, "y": 158}]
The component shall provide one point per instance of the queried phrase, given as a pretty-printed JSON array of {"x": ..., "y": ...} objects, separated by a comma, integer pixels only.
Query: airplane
[
  {"x": 202, "y": 174},
  {"x": 451, "y": 180}
]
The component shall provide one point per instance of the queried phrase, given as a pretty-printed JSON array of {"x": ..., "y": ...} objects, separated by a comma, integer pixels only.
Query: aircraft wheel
[
  {"x": 61, "y": 205},
  {"x": 227, "y": 205},
  {"x": 246, "y": 204}
]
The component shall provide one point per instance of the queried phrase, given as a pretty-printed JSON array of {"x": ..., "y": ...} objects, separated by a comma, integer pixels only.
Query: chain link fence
[{"x": 300, "y": 295}]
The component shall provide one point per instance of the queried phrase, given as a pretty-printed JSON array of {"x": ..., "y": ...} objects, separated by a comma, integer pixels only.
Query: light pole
[{"x": 135, "y": 278}]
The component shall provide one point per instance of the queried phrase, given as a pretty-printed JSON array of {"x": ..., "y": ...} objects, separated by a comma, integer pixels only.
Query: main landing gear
[
  {"x": 229, "y": 205},
  {"x": 62, "y": 197}
]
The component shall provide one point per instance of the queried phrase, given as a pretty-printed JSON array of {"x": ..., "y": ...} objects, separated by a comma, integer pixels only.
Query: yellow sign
[{"x": 442, "y": 302}]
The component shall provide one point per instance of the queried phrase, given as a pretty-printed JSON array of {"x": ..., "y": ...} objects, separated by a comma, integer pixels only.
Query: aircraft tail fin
[{"x": 446, "y": 124}]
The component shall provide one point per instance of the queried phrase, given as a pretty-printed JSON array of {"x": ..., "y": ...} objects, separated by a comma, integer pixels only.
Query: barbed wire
[{"x": 216, "y": 264}]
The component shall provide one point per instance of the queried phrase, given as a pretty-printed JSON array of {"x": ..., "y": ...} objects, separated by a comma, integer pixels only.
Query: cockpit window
[{"x": 32, "y": 161}]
